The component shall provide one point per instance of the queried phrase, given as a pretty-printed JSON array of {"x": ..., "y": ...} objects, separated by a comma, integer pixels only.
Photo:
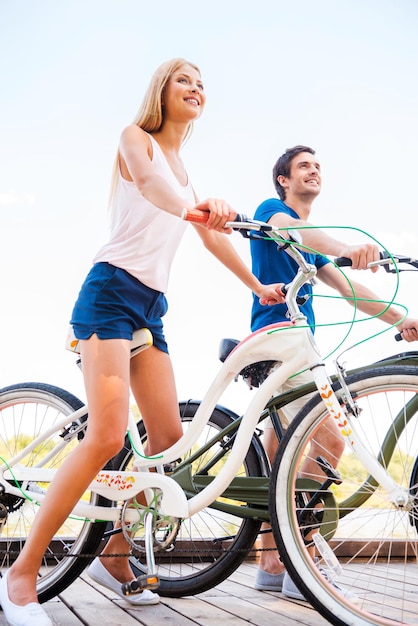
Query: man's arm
[
  {"x": 315, "y": 238},
  {"x": 332, "y": 277}
]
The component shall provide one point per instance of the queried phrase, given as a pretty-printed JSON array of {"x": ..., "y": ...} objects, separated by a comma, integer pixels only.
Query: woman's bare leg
[
  {"x": 106, "y": 374},
  {"x": 153, "y": 386}
]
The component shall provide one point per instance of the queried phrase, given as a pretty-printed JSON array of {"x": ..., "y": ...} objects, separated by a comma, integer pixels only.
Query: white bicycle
[{"x": 208, "y": 497}]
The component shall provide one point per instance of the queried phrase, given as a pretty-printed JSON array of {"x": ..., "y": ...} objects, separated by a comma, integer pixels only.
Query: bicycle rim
[
  {"x": 212, "y": 543},
  {"x": 26, "y": 411},
  {"x": 374, "y": 544}
]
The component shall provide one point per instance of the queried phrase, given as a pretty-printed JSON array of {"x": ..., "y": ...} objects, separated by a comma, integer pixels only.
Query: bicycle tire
[
  {"x": 374, "y": 545},
  {"x": 202, "y": 557},
  {"x": 27, "y": 410}
]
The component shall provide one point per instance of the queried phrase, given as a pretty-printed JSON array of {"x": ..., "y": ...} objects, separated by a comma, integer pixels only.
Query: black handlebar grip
[
  {"x": 299, "y": 299},
  {"x": 242, "y": 218},
  {"x": 343, "y": 261}
]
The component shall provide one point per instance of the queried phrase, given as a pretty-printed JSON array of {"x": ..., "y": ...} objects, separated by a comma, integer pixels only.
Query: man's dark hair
[{"x": 282, "y": 166}]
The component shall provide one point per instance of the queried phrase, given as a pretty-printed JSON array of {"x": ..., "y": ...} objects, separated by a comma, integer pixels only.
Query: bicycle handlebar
[
  {"x": 196, "y": 216},
  {"x": 385, "y": 259},
  {"x": 201, "y": 216},
  {"x": 248, "y": 229}
]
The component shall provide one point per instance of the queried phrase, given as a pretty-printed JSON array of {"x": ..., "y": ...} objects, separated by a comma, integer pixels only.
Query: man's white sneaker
[
  {"x": 264, "y": 581},
  {"x": 290, "y": 590}
]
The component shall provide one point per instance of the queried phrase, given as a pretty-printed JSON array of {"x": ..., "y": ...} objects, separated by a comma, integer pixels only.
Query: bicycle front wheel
[
  {"x": 361, "y": 567},
  {"x": 26, "y": 411},
  {"x": 212, "y": 543}
]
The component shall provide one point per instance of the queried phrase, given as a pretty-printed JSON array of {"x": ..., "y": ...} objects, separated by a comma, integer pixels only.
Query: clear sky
[{"x": 339, "y": 76}]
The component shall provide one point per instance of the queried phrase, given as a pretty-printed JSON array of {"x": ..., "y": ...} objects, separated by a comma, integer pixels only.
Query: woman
[{"x": 124, "y": 291}]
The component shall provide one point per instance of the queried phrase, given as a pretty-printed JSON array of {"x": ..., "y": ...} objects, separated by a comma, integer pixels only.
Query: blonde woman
[{"x": 124, "y": 291}]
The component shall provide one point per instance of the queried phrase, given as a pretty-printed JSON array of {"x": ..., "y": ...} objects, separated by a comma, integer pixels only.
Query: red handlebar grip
[{"x": 198, "y": 216}]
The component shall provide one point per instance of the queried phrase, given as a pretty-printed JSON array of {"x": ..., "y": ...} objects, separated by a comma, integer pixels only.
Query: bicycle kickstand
[{"x": 149, "y": 580}]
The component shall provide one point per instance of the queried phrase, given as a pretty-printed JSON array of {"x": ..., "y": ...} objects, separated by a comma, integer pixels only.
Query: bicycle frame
[
  {"x": 202, "y": 500},
  {"x": 113, "y": 485},
  {"x": 293, "y": 345},
  {"x": 255, "y": 490},
  {"x": 124, "y": 485}
]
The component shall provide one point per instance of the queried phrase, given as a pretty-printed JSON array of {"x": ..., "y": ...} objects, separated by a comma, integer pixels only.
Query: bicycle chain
[{"x": 82, "y": 555}]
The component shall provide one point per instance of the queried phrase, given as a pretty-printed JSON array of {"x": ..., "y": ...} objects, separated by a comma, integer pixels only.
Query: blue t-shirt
[{"x": 273, "y": 266}]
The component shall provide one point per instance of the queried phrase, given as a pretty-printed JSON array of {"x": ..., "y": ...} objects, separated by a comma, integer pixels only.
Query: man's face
[{"x": 305, "y": 176}]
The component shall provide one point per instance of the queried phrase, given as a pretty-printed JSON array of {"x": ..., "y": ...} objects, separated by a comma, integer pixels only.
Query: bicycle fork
[{"x": 344, "y": 419}]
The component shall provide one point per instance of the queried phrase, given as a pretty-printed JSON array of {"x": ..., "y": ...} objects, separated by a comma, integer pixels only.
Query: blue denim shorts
[{"x": 113, "y": 304}]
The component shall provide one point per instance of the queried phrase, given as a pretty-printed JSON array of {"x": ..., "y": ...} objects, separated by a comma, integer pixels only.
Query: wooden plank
[
  {"x": 205, "y": 613},
  {"x": 395, "y": 548},
  {"x": 60, "y": 614},
  {"x": 234, "y": 602},
  {"x": 94, "y": 607},
  {"x": 161, "y": 613},
  {"x": 268, "y": 610},
  {"x": 152, "y": 615},
  {"x": 267, "y": 606}
]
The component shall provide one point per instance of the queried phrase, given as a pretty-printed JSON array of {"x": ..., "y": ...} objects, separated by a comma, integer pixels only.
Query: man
[{"x": 297, "y": 179}]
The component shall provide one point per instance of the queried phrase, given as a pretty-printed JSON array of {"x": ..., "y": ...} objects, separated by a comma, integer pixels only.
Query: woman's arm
[
  {"x": 220, "y": 246},
  {"x": 136, "y": 164},
  {"x": 135, "y": 155}
]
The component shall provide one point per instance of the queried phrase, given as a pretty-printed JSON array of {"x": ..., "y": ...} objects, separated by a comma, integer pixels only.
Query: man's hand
[
  {"x": 408, "y": 329},
  {"x": 362, "y": 255},
  {"x": 272, "y": 294}
]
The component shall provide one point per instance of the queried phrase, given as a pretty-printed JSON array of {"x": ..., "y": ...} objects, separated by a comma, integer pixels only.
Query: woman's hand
[
  {"x": 220, "y": 212},
  {"x": 272, "y": 294}
]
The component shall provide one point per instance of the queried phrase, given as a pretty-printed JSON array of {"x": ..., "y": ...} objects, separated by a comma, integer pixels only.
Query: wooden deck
[{"x": 234, "y": 602}]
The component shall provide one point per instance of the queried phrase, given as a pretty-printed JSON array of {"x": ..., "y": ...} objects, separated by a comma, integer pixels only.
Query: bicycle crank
[
  {"x": 163, "y": 530},
  {"x": 149, "y": 580}
]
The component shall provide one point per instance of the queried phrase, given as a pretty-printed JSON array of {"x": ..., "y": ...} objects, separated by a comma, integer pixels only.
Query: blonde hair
[{"x": 150, "y": 115}]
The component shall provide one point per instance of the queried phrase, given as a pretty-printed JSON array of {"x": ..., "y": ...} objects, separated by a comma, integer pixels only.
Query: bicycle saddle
[
  {"x": 254, "y": 374},
  {"x": 141, "y": 339}
]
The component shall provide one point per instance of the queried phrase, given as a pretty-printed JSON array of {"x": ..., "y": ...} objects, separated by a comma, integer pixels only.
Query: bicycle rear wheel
[
  {"x": 26, "y": 411},
  {"x": 214, "y": 542},
  {"x": 371, "y": 545}
]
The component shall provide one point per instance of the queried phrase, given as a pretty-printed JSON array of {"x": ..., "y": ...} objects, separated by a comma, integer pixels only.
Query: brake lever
[{"x": 248, "y": 228}]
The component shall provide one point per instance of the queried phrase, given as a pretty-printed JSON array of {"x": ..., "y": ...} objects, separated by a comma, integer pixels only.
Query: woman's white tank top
[{"x": 144, "y": 238}]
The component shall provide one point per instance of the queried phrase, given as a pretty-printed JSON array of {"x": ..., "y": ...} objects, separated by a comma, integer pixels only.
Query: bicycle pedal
[
  {"x": 146, "y": 581},
  {"x": 329, "y": 470}
]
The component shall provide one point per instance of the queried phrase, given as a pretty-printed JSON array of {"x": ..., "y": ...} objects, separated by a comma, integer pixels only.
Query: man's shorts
[
  {"x": 113, "y": 304},
  {"x": 288, "y": 412}
]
